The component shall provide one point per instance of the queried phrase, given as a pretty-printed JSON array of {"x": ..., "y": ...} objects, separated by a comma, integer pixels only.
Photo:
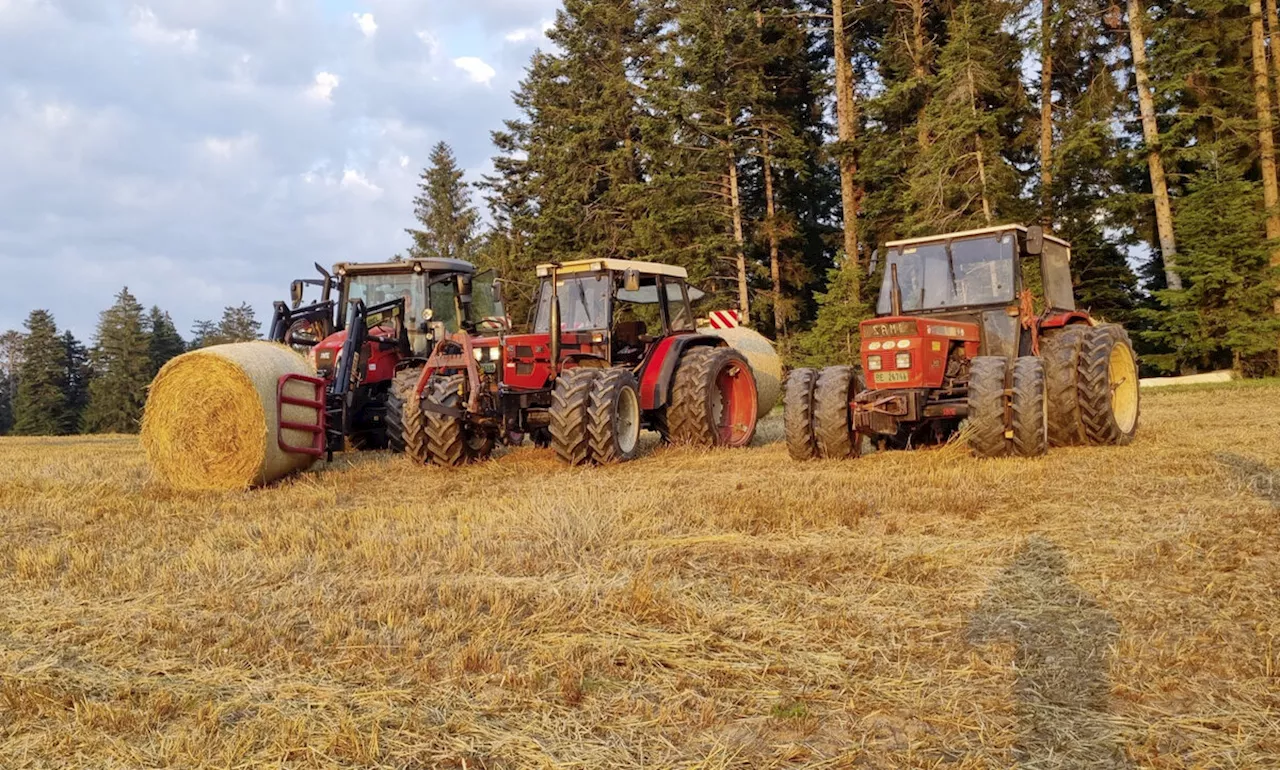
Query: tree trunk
[
  {"x": 846, "y": 120},
  {"x": 1151, "y": 136},
  {"x": 919, "y": 66},
  {"x": 1266, "y": 137},
  {"x": 1274, "y": 25},
  {"x": 980, "y": 150},
  {"x": 739, "y": 239},
  {"x": 1046, "y": 111},
  {"x": 771, "y": 228}
]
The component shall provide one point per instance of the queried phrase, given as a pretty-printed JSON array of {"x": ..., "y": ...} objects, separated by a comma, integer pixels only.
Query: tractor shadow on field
[
  {"x": 1260, "y": 479},
  {"x": 1063, "y": 640}
]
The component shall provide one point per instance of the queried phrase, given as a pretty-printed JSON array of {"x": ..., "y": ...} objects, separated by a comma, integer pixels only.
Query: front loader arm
[{"x": 453, "y": 354}]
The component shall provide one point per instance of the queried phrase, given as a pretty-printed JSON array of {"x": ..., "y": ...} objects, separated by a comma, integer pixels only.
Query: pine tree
[
  {"x": 122, "y": 365},
  {"x": 204, "y": 334},
  {"x": 163, "y": 341},
  {"x": 443, "y": 208},
  {"x": 835, "y": 338},
  {"x": 77, "y": 374},
  {"x": 10, "y": 362},
  {"x": 238, "y": 324},
  {"x": 965, "y": 175},
  {"x": 40, "y": 404},
  {"x": 1222, "y": 317}
]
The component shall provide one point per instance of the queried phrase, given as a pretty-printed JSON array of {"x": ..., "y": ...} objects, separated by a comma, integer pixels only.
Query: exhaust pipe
[{"x": 555, "y": 320}]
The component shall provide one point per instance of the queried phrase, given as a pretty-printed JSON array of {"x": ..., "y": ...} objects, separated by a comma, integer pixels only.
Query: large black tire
[
  {"x": 1110, "y": 395},
  {"x": 451, "y": 441},
  {"x": 570, "y": 415},
  {"x": 614, "y": 417},
  {"x": 1028, "y": 408},
  {"x": 698, "y": 414},
  {"x": 1061, "y": 353},
  {"x": 797, "y": 414},
  {"x": 986, "y": 407},
  {"x": 401, "y": 392},
  {"x": 833, "y": 419},
  {"x": 415, "y": 431}
]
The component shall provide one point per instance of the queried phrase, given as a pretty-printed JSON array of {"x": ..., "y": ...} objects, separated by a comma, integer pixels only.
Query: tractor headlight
[
  {"x": 479, "y": 354},
  {"x": 904, "y": 361},
  {"x": 875, "y": 363},
  {"x": 494, "y": 353},
  {"x": 904, "y": 344},
  {"x": 875, "y": 345}
]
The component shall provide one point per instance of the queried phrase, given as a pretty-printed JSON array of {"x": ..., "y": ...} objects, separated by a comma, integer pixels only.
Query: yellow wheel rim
[{"x": 1124, "y": 387}]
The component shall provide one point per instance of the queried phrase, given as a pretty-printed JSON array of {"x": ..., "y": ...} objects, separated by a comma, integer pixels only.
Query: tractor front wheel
[
  {"x": 1110, "y": 397},
  {"x": 451, "y": 441},
  {"x": 797, "y": 414},
  {"x": 1028, "y": 409},
  {"x": 714, "y": 401},
  {"x": 614, "y": 417},
  {"x": 399, "y": 396},
  {"x": 570, "y": 415},
  {"x": 986, "y": 407},
  {"x": 833, "y": 417}
]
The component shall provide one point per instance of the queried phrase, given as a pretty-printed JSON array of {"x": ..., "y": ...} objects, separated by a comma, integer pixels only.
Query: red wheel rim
[{"x": 738, "y": 405}]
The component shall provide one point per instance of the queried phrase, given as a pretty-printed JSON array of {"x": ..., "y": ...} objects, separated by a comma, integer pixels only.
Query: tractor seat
[{"x": 629, "y": 333}]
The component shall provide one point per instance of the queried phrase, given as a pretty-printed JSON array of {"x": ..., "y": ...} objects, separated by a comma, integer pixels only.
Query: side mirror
[
  {"x": 631, "y": 280},
  {"x": 295, "y": 293},
  {"x": 497, "y": 291},
  {"x": 875, "y": 262},
  {"x": 1035, "y": 240}
]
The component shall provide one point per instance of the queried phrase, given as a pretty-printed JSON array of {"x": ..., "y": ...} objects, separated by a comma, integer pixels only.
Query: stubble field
[{"x": 1114, "y": 607}]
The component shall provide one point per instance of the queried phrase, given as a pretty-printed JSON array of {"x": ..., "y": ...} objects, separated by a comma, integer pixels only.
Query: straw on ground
[{"x": 695, "y": 610}]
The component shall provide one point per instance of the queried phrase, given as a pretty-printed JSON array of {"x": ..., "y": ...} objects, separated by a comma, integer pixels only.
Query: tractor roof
[
  {"x": 404, "y": 267},
  {"x": 969, "y": 234},
  {"x": 618, "y": 265}
]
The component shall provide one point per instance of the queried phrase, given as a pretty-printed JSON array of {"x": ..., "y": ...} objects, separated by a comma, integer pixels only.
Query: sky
[{"x": 206, "y": 152}]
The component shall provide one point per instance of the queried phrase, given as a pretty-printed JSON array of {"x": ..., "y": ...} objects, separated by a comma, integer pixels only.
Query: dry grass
[{"x": 1102, "y": 608}]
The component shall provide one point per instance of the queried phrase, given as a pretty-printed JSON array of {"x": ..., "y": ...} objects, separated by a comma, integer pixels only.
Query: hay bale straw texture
[
  {"x": 211, "y": 421},
  {"x": 764, "y": 359}
]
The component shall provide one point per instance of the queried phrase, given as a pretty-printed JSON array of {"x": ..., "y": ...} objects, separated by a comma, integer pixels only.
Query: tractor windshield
[
  {"x": 584, "y": 303},
  {"x": 960, "y": 273},
  {"x": 375, "y": 290}
]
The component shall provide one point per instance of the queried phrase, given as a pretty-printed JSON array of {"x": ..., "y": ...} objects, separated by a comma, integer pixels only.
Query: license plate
[{"x": 883, "y": 378}]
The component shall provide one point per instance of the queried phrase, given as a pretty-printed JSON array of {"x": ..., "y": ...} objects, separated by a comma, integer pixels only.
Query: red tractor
[
  {"x": 614, "y": 350},
  {"x": 371, "y": 343},
  {"x": 978, "y": 327}
]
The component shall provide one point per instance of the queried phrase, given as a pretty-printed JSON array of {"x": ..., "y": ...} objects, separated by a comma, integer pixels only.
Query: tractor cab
[
  {"x": 982, "y": 278},
  {"x": 627, "y": 306}
]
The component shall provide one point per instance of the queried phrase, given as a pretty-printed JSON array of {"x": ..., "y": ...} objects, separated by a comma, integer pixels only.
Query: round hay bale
[
  {"x": 211, "y": 420},
  {"x": 764, "y": 360}
]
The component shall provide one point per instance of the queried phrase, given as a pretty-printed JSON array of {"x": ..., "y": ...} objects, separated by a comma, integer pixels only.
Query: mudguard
[{"x": 658, "y": 372}]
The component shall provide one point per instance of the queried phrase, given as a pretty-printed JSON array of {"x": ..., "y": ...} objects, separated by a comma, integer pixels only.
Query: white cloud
[
  {"x": 525, "y": 34},
  {"x": 147, "y": 28},
  {"x": 366, "y": 23},
  {"x": 404, "y": 161},
  {"x": 324, "y": 86},
  {"x": 354, "y": 180},
  {"x": 476, "y": 68},
  {"x": 228, "y": 147}
]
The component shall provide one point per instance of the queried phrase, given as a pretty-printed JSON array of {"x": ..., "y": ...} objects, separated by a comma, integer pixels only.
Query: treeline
[
  {"x": 51, "y": 384},
  {"x": 739, "y": 138}
]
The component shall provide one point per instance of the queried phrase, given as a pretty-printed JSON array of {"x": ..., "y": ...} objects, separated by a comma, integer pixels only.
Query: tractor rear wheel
[
  {"x": 452, "y": 442},
  {"x": 714, "y": 402},
  {"x": 570, "y": 415},
  {"x": 1110, "y": 397},
  {"x": 415, "y": 431},
  {"x": 1061, "y": 353},
  {"x": 614, "y": 417},
  {"x": 797, "y": 414},
  {"x": 400, "y": 394},
  {"x": 1028, "y": 408},
  {"x": 986, "y": 406},
  {"x": 832, "y": 416}
]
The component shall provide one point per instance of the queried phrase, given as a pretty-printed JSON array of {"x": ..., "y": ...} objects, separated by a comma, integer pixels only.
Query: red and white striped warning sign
[{"x": 725, "y": 319}]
